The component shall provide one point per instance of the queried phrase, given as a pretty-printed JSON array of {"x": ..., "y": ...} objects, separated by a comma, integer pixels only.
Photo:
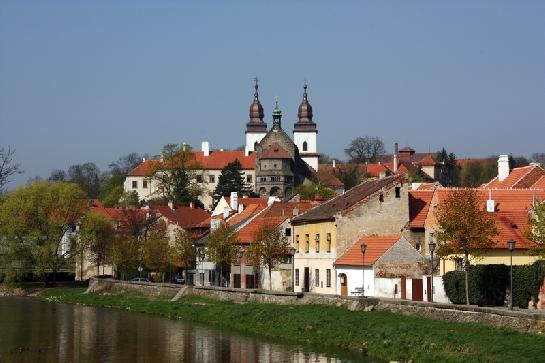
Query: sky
[{"x": 92, "y": 81}]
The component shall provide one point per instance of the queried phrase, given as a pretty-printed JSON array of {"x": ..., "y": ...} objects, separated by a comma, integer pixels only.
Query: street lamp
[
  {"x": 432, "y": 245},
  {"x": 363, "y": 248},
  {"x": 511, "y": 245}
]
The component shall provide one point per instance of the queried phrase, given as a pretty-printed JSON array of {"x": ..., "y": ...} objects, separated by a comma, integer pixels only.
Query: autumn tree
[
  {"x": 7, "y": 167},
  {"x": 183, "y": 251},
  {"x": 230, "y": 180},
  {"x": 126, "y": 254},
  {"x": 97, "y": 237},
  {"x": 35, "y": 221},
  {"x": 221, "y": 248},
  {"x": 156, "y": 250},
  {"x": 175, "y": 175},
  {"x": 365, "y": 149},
  {"x": 269, "y": 248},
  {"x": 464, "y": 228},
  {"x": 537, "y": 231}
]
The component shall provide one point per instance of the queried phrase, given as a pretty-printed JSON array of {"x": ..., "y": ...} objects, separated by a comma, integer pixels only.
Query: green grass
[{"x": 378, "y": 334}]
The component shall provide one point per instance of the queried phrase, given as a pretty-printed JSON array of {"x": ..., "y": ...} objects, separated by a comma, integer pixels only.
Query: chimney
[
  {"x": 295, "y": 211},
  {"x": 270, "y": 201},
  {"x": 171, "y": 204},
  {"x": 234, "y": 201},
  {"x": 240, "y": 208},
  {"x": 396, "y": 157},
  {"x": 143, "y": 160},
  {"x": 191, "y": 205},
  {"x": 333, "y": 163},
  {"x": 184, "y": 146},
  {"x": 205, "y": 148},
  {"x": 225, "y": 212},
  {"x": 503, "y": 167},
  {"x": 382, "y": 175}
]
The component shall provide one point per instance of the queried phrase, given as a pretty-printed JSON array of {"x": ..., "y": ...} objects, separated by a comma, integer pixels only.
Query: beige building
[{"x": 325, "y": 232}]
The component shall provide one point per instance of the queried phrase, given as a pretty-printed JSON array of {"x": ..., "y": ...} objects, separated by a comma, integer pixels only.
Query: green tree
[
  {"x": 126, "y": 254},
  {"x": 156, "y": 250},
  {"x": 464, "y": 227},
  {"x": 7, "y": 166},
  {"x": 97, "y": 236},
  {"x": 269, "y": 248},
  {"x": 539, "y": 158},
  {"x": 418, "y": 176},
  {"x": 34, "y": 219},
  {"x": 312, "y": 191},
  {"x": 221, "y": 248},
  {"x": 183, "y": 251},
  {"x": 471, "y": 174},
  {"x": 537, "y": 230},
  {"x": 175, "y": 175},
  {"x": 231, "y": 180},
  {"x": 87, "y": 176},
  {"x": 351, "y": 175},
  {"x": 449, "y": 170},
  {"x": 365, "y": 149}
]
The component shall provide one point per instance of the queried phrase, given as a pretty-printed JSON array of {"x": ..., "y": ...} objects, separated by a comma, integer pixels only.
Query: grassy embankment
[{"x": 379, "y": 334}]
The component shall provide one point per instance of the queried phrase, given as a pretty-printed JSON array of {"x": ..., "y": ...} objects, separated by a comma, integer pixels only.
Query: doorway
[
  {"x": 417, "y": 290},
  {"x": 306, "y": 280},
  {"x": 344, "y": 284}
]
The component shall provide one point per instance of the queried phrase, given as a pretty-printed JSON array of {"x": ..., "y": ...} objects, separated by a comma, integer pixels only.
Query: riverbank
[{"x": 379, "y": 334}]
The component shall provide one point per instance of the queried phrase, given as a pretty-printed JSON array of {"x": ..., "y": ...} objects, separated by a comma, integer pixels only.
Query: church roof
[{"x": 275, "y": 151}]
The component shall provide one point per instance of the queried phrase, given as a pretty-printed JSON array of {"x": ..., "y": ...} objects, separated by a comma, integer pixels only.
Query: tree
[
  {"x": 312, "y": 191},
  {"x": 34, "y": 220},
  {"x": 449, "y": 170},
  {"x": 7, "y": 166},
  {"x": 156, "y": 250},
  {"x": 57, "y": 175},
  {"x": 269, "y": 248},
  {"x": 87, "y": 177},
  {"x": 324, "y": 159},
  {"x": 125, "y": 164},
  {"x": 537, "y": 231},
  {"x": 418, "y": 176},
  {"x": 518, "y": 161},
  {"x": 539, "y": 158},
  {"x": 365, "y": 149},
  {"x": 221, "y": 247},
  {"x": 126, "y": 254},
  {"x": 175, "y": 175},
  {"x": 183, "y": 251},
  {"x": 351, "y": 175},
  {"x": 97, "y": 237},
  {"x": 471, "y": 174},
  {"x": 231, "y": 180},
  {"x": 464, "y": 228}
]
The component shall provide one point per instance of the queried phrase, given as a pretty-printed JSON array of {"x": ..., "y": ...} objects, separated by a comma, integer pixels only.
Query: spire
[
  {"x": 256, "y": 123},
  {"x": 277, "y": 114},
  {"x": 304, "y": 114}
]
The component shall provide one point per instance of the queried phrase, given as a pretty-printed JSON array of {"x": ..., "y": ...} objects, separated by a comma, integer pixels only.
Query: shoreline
[{"x": 373, "y": 335}]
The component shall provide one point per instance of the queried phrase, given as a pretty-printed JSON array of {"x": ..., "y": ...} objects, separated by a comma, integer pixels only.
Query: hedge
[{"x": 489, "y": 284}]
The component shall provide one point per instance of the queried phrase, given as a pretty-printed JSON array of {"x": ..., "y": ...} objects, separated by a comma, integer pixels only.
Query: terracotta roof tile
[
  {"x": 247, "y": 201},
  {"x": 523, "y": 177},
  {"x": 376, "y": 247},
  {"x": 246, "y": 214},
  {"x": 185, "y": 217},
  {"x": 275, "y": 151},
  {"x": 419, "y": 204}
]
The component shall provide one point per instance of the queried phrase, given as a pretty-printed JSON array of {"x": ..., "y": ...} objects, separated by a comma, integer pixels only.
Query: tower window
[
  {"x": 398, "y": 192},
  {"x": 305, "y": 146}
]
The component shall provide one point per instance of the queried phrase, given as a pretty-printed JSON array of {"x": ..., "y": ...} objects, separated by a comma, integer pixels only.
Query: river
[{"x": 35, "y": 331}]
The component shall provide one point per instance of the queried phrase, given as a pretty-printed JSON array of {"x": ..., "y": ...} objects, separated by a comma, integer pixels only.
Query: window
[
  {"x": 317, "y": 278},
  {"x": 145, "y": 184},
  {"x": 248, "y": 178},
  {"x": 418, "y": 246},
  {"x": 135, "y": 184},
  {"x": 274, "y": 166},
  {"x": 459, "y": 264},
  {"x": 199, "y": 178},
  {"x": 211, "y": 178},
  {"x": 262, "y": 179},
  {"x": 398, "y": 192},
  {"x": 305, "y": 146},
  {"x": 328, "y": 277},
  {"x": 287, "y": 232},
  {"x": 381, "y": 198},
  {"x": 307, "y": 241},
  {"x": 297, "y": 243},
  {"x": 317, "y": 243},
  {"x": 296, "y": 277},
  {"x": 328, "y": 237},
  {"x": 275, "y": 178}
]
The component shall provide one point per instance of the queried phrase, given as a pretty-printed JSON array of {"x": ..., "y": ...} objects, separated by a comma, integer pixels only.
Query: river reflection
[{"x": 38, "y": 331}]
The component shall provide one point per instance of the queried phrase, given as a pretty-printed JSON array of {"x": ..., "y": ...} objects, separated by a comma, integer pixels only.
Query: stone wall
[{"x": 145, "y": 288}]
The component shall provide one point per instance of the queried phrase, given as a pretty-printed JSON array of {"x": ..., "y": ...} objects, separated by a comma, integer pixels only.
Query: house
[
  {"x": 383, "y": 270},
  {"x": 272, "y": 162},
  {"x": 325, "y": 232},
  {"x": 526, "y": 177}
]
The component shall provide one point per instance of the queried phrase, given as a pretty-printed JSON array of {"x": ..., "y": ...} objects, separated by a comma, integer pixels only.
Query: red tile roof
[
  {"x": 519, "y": 178},
  {"x": 540, "y": 183},
  {"x": 419, "y": 204},
  {"x": 275, "y": 151},
  {"x": 428, "y": 160},
  {"x": 216, "y": 160},
  {"x": 246, "y": 214},
  {"x": 185, "y": 217},
  {"x": 376, "y": 247},
  {"x": 247, "y": 201},
  {"x": 326, "y": 178}
]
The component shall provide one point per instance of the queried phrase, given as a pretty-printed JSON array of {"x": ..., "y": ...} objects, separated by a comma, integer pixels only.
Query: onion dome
[
  {"x": 304, "y": 114},
  {"x": 256, "y": 123}
]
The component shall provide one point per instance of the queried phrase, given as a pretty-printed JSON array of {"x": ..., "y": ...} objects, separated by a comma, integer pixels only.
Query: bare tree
[
  {"x": 365, "y": 149},
  {"x": 7, "y": 166}
]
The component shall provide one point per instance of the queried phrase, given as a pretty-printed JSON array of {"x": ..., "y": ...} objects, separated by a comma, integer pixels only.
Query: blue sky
[{"x": 92, "y": 81}]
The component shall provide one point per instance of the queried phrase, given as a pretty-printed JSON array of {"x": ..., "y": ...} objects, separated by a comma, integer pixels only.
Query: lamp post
[
  {"x": 511, "y": 245},
  {"x": 432, "y": 245},
  {"x": 363, "y": 248}
]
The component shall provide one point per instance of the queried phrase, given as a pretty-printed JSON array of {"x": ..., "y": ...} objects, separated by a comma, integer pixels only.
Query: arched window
[{"x": 305, "y": 146}]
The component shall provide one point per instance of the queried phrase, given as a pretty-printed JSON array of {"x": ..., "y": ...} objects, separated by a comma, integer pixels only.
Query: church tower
[
  {"x": 256, "y": 128},
  {"x": 305, "y": 133}
]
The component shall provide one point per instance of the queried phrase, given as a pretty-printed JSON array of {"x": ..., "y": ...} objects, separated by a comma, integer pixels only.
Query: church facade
[{"x": 273, "y": 162}]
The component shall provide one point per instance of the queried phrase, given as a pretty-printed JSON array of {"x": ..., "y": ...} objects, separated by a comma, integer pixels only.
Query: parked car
[
  {"x": 177, "y": 280},
  {"x": 140, "y": 279}
]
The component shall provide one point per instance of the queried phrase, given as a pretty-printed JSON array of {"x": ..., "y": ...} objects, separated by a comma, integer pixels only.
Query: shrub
[
  {"x": 527, "y": 280},
  {"x": 486, "y": 285}
]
